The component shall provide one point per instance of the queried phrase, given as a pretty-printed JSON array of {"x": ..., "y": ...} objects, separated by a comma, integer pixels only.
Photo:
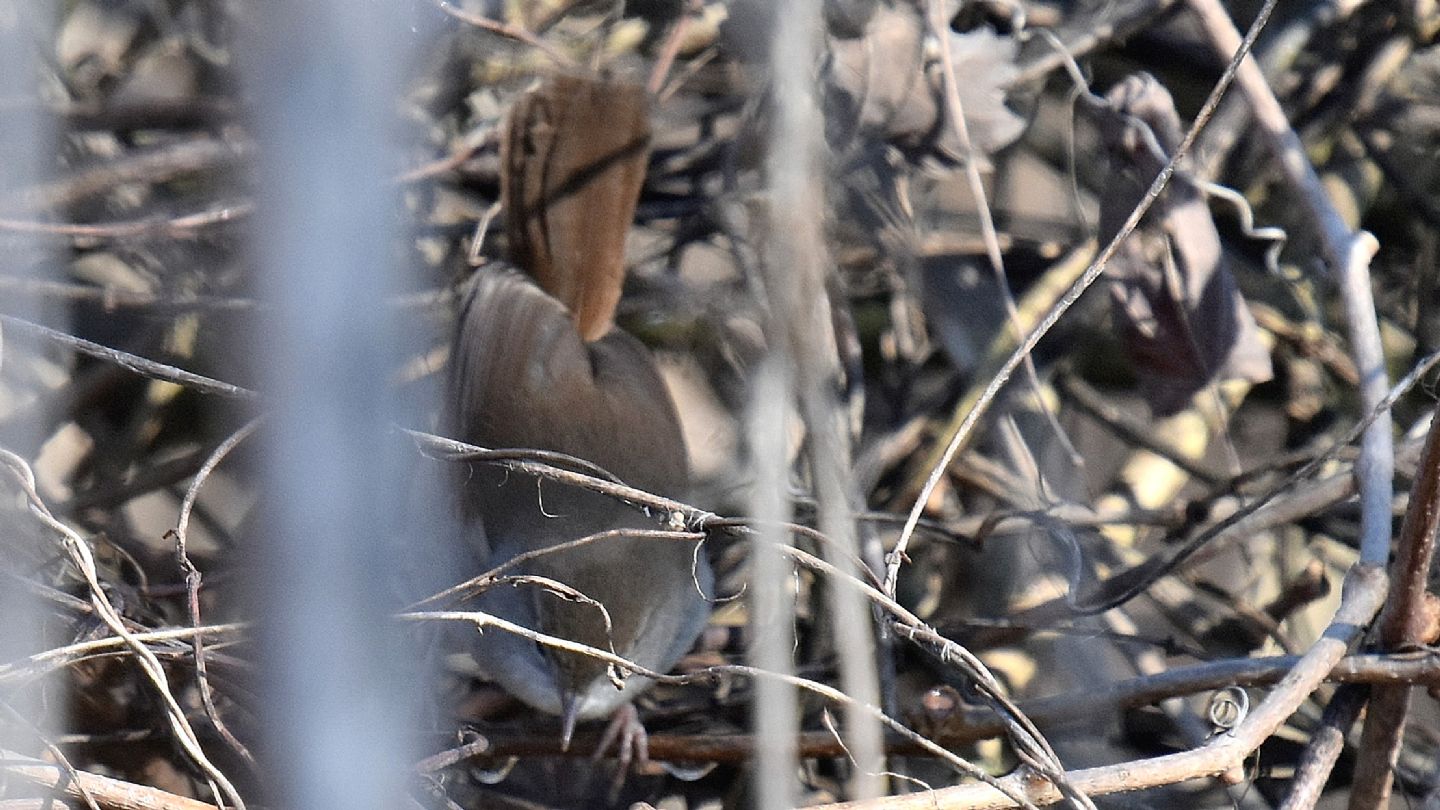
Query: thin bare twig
[
  {"x": 1364, "y": 592},
  {"x": 150, "y": 478},
  {"x": 955, "y": 113},
  {"x": 453, "y": 756},
  {"x": 177, "y": 227},
  {"x": 40, "y": 663},
  {"x": 1128, "y": 584},
  {"x": 671, "y": 48},
  {"x": 679, "y": 515},
  {"x": 155, "y": 165},
  {"x": 968, "y": 726},
  {"x": 146, "y": 368},
  {"x": 508, "y": 31},
  {"x": 478, "y": 584},
  {"x": 192, "y": 586},
  {"x": 79, "y": 552},
  {"x": 1129, "y": 429},
  {"x": 1088, "y": 277},
  {"x": 112, "y": 794},
  {"x": 484, "y": 621}
]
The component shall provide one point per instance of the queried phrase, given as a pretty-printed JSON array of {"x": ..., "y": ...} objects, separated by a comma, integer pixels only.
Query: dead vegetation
[{"x": 1127, "y": 377}]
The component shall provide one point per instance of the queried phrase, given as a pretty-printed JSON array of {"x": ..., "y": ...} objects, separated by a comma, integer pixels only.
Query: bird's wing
[{"x": 521, "y": 377}]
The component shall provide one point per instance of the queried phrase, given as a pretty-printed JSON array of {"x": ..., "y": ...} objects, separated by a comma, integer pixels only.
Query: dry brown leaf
[{"x": 1183, "y": 320}]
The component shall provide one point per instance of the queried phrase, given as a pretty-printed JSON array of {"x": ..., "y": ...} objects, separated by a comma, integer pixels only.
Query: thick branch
[{"x": 1407, "y": 621}]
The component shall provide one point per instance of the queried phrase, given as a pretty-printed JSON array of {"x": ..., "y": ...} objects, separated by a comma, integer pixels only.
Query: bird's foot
[{"x": 626, "y": 729}]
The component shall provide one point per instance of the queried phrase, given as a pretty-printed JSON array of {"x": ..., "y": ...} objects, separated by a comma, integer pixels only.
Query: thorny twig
[{"x": 456, "y": 594}]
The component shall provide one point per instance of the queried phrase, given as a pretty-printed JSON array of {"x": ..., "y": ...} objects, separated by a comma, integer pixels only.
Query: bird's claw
[{"x": 626, "y": 729}]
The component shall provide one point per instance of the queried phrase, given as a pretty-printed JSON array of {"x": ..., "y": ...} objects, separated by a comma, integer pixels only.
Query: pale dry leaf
[
  {"x": 888, "y": 85},
  {"x": 985, "y": 65}
]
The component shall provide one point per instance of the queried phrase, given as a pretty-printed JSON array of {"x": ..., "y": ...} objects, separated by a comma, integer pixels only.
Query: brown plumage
[
  {"x": 574, "y": 154},
  {"x": 543, "y": 366}
]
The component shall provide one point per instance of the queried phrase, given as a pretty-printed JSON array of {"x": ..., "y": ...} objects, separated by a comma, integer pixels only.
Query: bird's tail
[{"x": 573, "y": 158}]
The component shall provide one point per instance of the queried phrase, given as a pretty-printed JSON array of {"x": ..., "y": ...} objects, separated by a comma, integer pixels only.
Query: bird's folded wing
[{"x": 521, "y": 377}]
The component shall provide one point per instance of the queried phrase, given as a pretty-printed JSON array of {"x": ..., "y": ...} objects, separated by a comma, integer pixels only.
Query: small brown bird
[{"x": 539, "y": 363}]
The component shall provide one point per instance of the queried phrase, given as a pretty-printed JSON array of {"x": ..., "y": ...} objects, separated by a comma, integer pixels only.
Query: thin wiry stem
[
  {"x": 192, "y": 586},
  {"x": 80, "y": 556},
  {"x": 1087, "y": 278}
]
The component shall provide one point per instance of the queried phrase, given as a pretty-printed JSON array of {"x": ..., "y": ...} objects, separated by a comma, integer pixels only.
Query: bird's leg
[{"x": 628, "y": 732}]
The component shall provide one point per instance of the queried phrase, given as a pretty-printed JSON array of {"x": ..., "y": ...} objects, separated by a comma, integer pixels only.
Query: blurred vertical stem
[
  {"x": 772, "y": 604},
  {"x": 25, "y": 137},
  {"x": 323, "y": 77},
  {"x": 797, "y": 262}
]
